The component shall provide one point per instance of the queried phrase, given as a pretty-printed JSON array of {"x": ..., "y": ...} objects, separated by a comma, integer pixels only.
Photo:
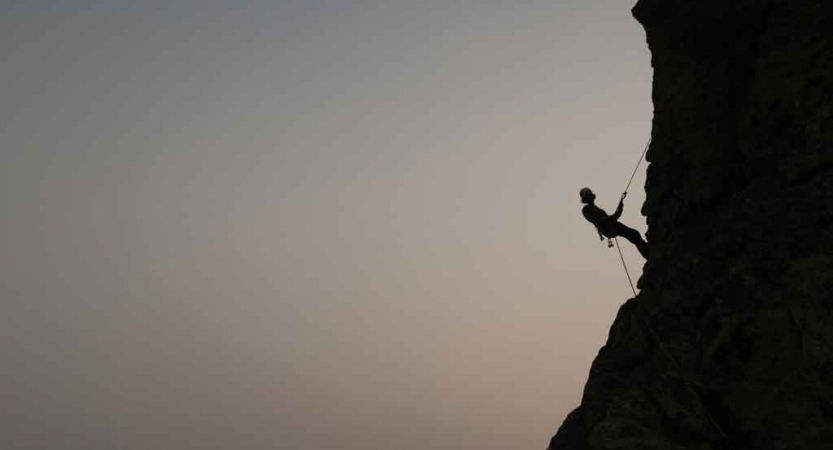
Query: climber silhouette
[{"x": 609, "y": 226}]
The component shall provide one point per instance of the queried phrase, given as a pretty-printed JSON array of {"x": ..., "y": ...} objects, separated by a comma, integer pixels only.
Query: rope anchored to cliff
[
  {"x": 625, "y": 194},
  {"x": 653, "y": 333},
  {"x": 608, "y": 226},
  {"x": 641, "y": 157}
]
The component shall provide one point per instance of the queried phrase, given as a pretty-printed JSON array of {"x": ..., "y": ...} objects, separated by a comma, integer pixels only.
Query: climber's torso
[{"x": 598, "y": 217}]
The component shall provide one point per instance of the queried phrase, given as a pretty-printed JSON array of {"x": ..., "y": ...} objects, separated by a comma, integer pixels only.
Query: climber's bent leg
[{"x": 633, "y": 236}]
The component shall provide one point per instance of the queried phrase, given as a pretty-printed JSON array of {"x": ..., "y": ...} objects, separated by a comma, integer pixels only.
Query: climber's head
[{"x": 587, "y": 196}]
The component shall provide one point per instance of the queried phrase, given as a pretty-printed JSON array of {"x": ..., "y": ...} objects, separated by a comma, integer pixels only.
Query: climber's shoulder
[{"x": 591, "y": 212}]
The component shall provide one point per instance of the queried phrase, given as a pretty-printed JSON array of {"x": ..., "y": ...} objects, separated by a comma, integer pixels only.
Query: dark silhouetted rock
[{"x": 729, "y": 345}]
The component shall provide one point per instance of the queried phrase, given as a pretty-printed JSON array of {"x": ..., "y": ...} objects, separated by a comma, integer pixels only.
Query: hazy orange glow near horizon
[{"x": 310, "y": 224}]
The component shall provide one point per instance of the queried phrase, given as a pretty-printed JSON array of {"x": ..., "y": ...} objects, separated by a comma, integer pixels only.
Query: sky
[{"x": 310, "y": 224}]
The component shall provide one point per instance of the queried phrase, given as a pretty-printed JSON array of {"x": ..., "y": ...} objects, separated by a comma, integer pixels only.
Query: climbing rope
[
  {"x": 641, "y": 157},
  {"x": 624, "y": 194},
  {"x": 653, "y": 333},
  {"x": 625, "y": 266}
]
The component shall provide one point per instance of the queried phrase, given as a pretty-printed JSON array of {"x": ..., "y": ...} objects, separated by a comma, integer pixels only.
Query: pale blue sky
[{"x": 310, "y": 224}]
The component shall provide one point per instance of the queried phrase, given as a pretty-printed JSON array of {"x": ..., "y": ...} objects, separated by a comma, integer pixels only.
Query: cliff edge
[{"x": 729, "y": 344}]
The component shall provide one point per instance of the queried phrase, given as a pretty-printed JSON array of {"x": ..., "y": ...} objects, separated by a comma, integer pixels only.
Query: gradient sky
[{"x": 309, "y": 224}]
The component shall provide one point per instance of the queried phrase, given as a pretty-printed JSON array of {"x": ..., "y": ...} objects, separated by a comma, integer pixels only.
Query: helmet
[{"x": 585, "y": 194}]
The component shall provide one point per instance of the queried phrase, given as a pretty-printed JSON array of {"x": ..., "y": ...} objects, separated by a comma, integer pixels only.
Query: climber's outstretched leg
[{"x": 633, "y": 236}]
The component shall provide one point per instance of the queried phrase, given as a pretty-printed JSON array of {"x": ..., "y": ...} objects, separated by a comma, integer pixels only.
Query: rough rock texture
[{"x": 729, "y": 344}]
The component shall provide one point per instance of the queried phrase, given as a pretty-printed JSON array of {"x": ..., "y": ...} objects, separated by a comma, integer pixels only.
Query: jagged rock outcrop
[{"x": 729, "y": 344}]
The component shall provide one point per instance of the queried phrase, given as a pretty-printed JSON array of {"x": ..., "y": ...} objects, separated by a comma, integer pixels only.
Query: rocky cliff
[{"x": 729, "y": 344}]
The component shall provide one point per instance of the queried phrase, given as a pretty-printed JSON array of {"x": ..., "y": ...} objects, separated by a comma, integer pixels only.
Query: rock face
[{"x": 729, "y": 344}]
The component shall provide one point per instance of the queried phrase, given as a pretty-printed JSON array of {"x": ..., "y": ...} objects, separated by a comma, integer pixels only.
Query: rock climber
[{"x": 609, "y": 226}]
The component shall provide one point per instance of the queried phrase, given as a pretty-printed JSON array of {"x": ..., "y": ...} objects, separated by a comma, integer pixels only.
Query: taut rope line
[
  {"x": 624, "y": 194},
  {"x": 660, "y": 345},
  {"x": 625, "y": 266},
  {"x": 641, "y": 157}
]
